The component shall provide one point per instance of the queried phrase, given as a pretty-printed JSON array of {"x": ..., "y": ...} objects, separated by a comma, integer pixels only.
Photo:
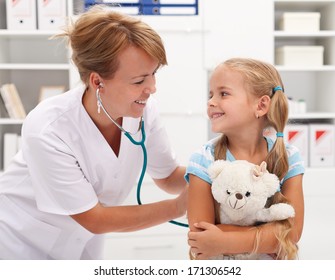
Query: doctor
[{"x": 64, "y": 189}]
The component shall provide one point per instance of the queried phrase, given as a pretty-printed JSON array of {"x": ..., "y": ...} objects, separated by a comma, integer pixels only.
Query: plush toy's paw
[
  {"x": 281, "y": 211},
  {"x": 275, "y": 212}
]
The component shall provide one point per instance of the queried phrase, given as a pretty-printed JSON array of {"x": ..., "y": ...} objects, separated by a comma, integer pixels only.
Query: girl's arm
[
  {"x": 227, "y": 239},
  {"x": 292, "y": 190},
  {"x": 200, "y": 202}
]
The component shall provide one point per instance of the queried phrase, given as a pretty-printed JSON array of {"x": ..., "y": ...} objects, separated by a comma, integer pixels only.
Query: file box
[
  {"x": 300, "y": 22},
  {"x": 297, "y": 135},
  {"x": 321, "y": 146},
  {"x": 300, "y": 56},
  {"x": 21, "y": 15}
]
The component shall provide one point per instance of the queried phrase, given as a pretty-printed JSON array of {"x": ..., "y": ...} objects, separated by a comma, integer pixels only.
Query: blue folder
[
  {"x": 126, "y": 8},
  {"x": 169, "y": 2},
  {"x": 114, "y": 2},
  {"x": 149, "y": 7},
  {"x": 170, "y": 10}
]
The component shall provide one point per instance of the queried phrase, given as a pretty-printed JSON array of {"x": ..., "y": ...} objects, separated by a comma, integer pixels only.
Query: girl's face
[
  {"x": 128, "y": 91},
  {"x": 230, "y": 106}
]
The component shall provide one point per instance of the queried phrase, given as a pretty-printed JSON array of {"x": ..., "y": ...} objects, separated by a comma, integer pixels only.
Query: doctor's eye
[
  {"x": 139, "y": 82},
  {"x": 247, "y": 194}
]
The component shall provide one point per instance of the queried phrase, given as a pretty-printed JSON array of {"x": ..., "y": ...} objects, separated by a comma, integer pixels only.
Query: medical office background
[{"x": 297, "y": 36}]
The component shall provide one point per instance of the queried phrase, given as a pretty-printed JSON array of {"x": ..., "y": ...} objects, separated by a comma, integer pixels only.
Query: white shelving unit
[
  {"x": 31, "y": 60},
  {"x": 314, "y": 85},
  {"x": 305, "y": 82}
]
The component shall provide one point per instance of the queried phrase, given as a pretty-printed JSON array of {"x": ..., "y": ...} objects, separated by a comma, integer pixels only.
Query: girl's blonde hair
[
  {"x": 99, "y": 35},
  {"x": 261, "y": 78}
]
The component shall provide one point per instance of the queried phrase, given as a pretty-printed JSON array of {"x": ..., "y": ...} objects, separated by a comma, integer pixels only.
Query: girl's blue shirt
[{"x": 204, "y": 157}]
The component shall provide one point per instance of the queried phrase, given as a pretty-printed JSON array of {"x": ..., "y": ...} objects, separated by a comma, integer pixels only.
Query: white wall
[{"x": 238, "y": 28}]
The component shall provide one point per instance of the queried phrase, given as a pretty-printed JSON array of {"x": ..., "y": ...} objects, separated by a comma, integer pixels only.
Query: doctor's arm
[
  {"x": 101, "y": 219},
  {"x": 174, "y": 183}
]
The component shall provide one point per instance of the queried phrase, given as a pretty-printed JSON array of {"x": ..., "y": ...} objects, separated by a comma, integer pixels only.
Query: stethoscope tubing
[
  {"x": 145, "y": 157},
  {"x": 137, "y": 143}
]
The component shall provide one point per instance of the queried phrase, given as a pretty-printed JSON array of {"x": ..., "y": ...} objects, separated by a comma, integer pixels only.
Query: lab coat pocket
[{"x": 33, "y": 232}]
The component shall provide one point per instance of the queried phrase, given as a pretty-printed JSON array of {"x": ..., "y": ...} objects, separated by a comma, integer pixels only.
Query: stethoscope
[{"x": 137, "y": 143}]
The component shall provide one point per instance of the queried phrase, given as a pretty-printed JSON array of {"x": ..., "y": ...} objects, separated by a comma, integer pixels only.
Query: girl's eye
[{"x": 223, "y": 93}]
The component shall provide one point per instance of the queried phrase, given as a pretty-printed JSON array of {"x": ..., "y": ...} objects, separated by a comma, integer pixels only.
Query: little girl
[{"x": 246, "y": 96}]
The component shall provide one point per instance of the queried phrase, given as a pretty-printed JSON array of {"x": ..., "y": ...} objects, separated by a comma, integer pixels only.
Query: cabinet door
[
  {"x": 187, "y": 133},
  {"x": 181, "y": 85},
  {"x": 128, "y": 247},
  {"x": 317, "y": 241},
  {"x": 237, "y": 28}
]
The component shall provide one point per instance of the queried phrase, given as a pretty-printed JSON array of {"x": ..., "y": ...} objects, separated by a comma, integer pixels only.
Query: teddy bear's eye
[
  {"x": 247, "y": 194},
  {"x": 228, "y": 192}
]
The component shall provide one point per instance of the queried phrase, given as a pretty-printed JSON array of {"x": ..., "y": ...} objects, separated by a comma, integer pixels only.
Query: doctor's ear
[{"x": 99, "y": 84}]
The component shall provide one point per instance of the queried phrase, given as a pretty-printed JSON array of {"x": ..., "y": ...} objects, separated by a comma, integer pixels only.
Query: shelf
[
  {"x": 298, "y": 4},
  {"x": 34, "y": 66},
  {"x": 314, "y": 84},
  {"x": 313, "y": 116},
  {"x": 174, "y": 23},
  {"x": 8, "y": 121},
  {"x": 319, "y": 34},
  {"x": 324, "y": 68},
  {"x": 5, "y": 33}
]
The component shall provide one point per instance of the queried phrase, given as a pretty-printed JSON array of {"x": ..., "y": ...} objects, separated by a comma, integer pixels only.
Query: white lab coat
[{"x": 66, "y": 167}]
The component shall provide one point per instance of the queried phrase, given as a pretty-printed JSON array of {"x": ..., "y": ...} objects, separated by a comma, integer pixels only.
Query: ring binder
[
  {"x": 21, "y": 15},
  {"x": 169, "y": 10}
]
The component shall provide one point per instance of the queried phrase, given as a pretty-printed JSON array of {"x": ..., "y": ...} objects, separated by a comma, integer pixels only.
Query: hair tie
[
  {"x": 280, "y": 134},
  {"x": 277, "y": 88}
]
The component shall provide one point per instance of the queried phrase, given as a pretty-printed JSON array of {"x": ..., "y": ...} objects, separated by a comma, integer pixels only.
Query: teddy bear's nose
[{"x": 238, "y": 196}]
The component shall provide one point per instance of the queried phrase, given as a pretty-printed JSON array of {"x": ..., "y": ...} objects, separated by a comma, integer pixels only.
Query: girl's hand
[{"x": 207, "y": 242}]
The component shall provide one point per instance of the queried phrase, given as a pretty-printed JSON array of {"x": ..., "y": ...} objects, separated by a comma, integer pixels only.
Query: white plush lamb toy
[{"x": 242, "y": 190}]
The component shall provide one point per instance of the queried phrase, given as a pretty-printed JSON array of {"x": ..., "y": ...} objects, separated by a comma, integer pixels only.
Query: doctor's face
[{"x": 126, "y": 94}]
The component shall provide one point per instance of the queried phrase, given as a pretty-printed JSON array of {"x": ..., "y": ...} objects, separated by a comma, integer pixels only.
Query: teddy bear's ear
[
  {"x": 215, "y": 168},
  {"x": 263, "y": 166},
  {"x": 259, "y": 170}
]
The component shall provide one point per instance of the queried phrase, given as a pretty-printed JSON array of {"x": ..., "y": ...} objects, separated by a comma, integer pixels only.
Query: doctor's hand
[
  {"x": 181, "y": 202},
  {"x": 206, "y": 242}
]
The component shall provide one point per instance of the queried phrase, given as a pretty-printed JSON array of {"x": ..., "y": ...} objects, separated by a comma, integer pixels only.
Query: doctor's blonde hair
[
  {"x": 99, "y": 35},
  {"x": 260, "y": 79}
]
